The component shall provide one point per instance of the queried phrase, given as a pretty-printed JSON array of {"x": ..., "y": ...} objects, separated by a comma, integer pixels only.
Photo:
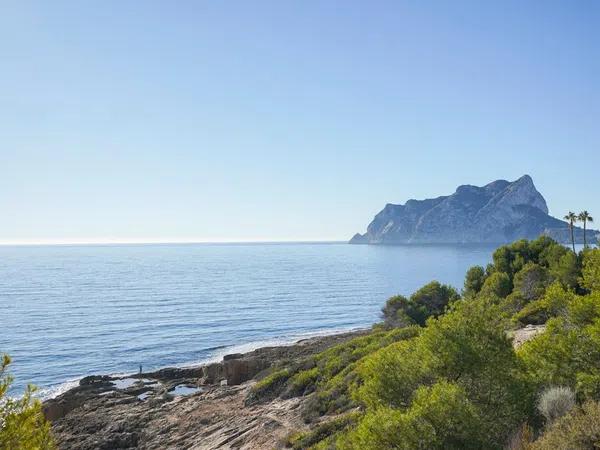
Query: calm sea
[{"x": 70, "y": 311}]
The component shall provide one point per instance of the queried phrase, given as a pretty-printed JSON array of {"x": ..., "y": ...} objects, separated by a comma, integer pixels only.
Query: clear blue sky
[{"x": 281, "y": 120}]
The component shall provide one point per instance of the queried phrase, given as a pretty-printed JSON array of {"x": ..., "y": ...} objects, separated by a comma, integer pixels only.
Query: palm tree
[
  {"x": 585, "y": 217},
  {"x": 571, "y": 218}
]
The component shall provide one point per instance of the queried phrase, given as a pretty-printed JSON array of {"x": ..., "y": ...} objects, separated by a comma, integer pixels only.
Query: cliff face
[{"x": 498, "y": 212}]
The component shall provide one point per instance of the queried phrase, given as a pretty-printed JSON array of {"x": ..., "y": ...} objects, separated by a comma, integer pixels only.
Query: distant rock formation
[{"x": 498, "y": 212}]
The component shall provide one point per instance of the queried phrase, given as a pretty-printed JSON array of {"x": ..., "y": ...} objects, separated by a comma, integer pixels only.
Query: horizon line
[{"x": 51, "y": 242}]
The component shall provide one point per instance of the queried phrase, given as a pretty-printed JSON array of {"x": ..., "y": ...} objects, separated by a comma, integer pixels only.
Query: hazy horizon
[{"x": 276, "y": 121}]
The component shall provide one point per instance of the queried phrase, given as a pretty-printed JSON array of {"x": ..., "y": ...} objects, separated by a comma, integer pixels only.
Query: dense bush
[
  {"x": 554, "y": 302},
  {"x": 394, "y": 312},
  {"x": 531, "y": 281},
  {"x": 440, "y": 417},
  {"x": 578, "y": 430},
  {"x": 22, "y": 423},
  {"x": 269, "y": 387},
  {"x": 555, "y": 402},
  {"x": 497, "y": 285},
  {"x": 591, "y": 269},
  {"x": 321, "y": 432},
  {"x": 570, "y": 347},
  {"x": 474, "y": 280},
  {"x": 562, "y": 264},
  {"x": 430, "y": 300},
  {"x": 328, "y": 375},
  {"x": 467, "y": 346}
]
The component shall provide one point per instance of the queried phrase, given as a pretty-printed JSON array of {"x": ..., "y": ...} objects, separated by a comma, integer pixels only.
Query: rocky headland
[
  {"x": 203, "y": 407},
  {"x": 498, "y": 212}
]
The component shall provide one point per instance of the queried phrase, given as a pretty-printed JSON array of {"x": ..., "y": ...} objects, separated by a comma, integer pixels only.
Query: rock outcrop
[
  {"x": 201, "y": 407},
  {"x": 498, "y": 212}
]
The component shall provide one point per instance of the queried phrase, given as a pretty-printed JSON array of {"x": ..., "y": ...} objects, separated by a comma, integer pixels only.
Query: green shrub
[
  {"x": 468, "y": 346},
  {"x": 555, "y": 402},
  {"x": 302, "y": 382},
  {"x": 531, "y": 281},
  {"x": 269, "y": 387},
  {"x": 578, "y": 430},
  {"x": 323, "y": 431},
  {"x": 497, "y": 285},
  {"x": 22, "y": 422},
  {"x": 567, "y": 270},
  {"x": 591, "y": 269},
  {"x": 511, "y": 258},
  {"x": 430, "y": 300},
  {"x": 440, "y": 417},
  {"x": 455, "y": 380},
  {"x": 391, "y": 375},
  {"x": 588, "y": 386},
  {"x": 337, "y": 372},
  {"x": 330, "y": 374},
  {"x": 555, "y": 301},
  {"x": 395, "y": 312},
  {"x": 569, "y": 348},
  {"x": 563, "y": 265},
  {"x": 474, "y": 280},
  {"x": 584, "y": 309}
]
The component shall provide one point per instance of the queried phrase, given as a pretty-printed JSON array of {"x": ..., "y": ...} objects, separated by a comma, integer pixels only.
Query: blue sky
[{"x": 277, "y": 120}]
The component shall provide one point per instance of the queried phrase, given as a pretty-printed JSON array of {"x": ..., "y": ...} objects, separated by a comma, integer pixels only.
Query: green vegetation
[
  {"x": 429, "y": 301},
  {"x": 440, "y": 417},
  {"x": 327, "y": 375},
  {"x": 555, "y": 402},
  {"x": 22, "y": 423},
  {"x": 322, "y": 433},
  {"x": 441, "y": 371},
  {"x": 579, "y": 430},
  {"x": 466, "y": 352}
]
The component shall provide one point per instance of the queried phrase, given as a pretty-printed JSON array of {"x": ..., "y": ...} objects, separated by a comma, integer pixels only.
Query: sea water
[{"x": 71, "y": 311}]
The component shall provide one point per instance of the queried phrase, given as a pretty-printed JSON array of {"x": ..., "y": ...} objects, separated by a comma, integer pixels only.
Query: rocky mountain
[{"x": 498, "y": 212}]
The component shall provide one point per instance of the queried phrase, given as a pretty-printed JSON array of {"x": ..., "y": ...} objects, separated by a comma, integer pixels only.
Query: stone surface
[
  {"x": 522, "y": 335},
  {"x": 97, "y": 415},
  {"x": 498, "y": 212}
]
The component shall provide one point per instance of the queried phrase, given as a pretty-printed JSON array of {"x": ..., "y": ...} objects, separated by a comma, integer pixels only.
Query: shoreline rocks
[{"x": 194, "y": 407}]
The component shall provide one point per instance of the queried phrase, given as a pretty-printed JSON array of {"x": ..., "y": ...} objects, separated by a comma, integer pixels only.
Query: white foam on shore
[
  {"x": 55, "y": 391},
  {"x": 274, "y": 342}
]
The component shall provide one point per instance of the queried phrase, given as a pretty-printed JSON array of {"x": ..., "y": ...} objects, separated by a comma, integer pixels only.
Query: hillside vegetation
[
  {"x": 22, "y": 423},
  {"x": 441, "y": 371}
]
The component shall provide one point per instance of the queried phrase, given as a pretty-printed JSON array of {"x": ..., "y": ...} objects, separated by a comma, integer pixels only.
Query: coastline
[
  {"x": 143, "y": 404},
  {"x": 48, "y": 393}
]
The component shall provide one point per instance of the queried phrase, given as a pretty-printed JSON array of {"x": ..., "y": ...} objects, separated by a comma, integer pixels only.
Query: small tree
[
  {"x": 591, "y": 269},
  {"x": 498, "y": 285},
  {"x": 394, "y": 312},
  {"x": 430, "y": 300},
  {"x": 474, "y": 280},
  {"x": 22, "y": 423}
]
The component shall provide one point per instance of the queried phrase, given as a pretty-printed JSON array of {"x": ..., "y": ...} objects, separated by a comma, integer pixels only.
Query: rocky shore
[{"x": 203, "y": 407}]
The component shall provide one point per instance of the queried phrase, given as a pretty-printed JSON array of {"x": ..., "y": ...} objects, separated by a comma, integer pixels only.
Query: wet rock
[
  {"x": 214, "y": 417},
  {"x": 94, "y": 380}
]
